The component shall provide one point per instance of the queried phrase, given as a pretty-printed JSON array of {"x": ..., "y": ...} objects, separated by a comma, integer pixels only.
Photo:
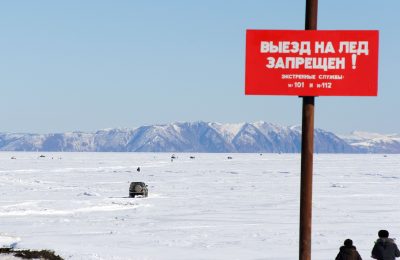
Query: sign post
[
  {"x": 307, "y": 150},
  {"x": 309, "y": 63}
]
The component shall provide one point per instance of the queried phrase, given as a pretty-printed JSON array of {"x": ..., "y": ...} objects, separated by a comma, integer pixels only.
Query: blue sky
[{"x": 88, "y": 65}]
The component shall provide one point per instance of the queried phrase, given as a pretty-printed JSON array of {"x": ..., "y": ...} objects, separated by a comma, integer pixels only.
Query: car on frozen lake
[{"x": 138, "y": 189}]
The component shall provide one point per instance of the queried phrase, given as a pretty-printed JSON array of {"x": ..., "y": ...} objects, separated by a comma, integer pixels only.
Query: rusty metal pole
[{"x": 307, "y": 150}]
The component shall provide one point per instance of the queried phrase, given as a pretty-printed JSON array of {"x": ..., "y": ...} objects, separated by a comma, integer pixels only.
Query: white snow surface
[{"x": 209, "y": 207}]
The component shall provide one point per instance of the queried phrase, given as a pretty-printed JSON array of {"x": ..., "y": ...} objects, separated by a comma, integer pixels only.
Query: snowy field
[{"x": 209, "y": 207}]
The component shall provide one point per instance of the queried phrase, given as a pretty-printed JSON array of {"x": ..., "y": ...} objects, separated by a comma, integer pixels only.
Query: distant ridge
[{"x": 200, "y": 137}]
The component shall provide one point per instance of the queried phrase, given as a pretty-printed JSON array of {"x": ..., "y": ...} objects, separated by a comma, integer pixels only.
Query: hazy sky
[{"x": 88, "y": 65}]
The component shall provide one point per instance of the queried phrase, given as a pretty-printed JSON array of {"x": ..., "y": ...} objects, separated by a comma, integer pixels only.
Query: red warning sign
[{"x": 312, "y": 62}]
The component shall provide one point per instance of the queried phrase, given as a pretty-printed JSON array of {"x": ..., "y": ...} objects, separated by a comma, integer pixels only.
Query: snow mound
[
  {"x": 90, "y": 194},
  {"x": 8, "y": 241}
]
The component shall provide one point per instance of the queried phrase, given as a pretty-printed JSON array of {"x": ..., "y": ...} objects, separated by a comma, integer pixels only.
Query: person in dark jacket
[
  {"x": 385, "y": 248},
  {"x": 348, "y": 251}
]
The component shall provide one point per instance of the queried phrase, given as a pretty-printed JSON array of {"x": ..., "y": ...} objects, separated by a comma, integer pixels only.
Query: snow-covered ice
[{"x": 204, "y": 208}]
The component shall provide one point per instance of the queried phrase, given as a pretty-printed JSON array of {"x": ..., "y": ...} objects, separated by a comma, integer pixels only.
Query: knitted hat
[
  {"x": 383, "y": 233},
  {"x": 348, "y": 242}
]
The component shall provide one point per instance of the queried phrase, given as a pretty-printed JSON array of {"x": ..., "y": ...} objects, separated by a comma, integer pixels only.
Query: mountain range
[{"x": 201, "y": 137}]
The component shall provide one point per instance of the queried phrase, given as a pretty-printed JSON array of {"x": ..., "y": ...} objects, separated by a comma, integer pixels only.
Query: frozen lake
[{"x": 209, "y": 207}]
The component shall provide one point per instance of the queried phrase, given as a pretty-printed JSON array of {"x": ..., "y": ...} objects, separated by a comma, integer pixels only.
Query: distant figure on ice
[
  {"x": 348, "y": 251},
  {"x": 138, "y": 169},
  {"x": 385, "y": 248}
]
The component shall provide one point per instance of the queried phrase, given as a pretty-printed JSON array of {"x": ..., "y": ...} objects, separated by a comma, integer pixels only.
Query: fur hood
[
  {"x": 347, "y": 248},
  {"x": 384, "y": 240}
]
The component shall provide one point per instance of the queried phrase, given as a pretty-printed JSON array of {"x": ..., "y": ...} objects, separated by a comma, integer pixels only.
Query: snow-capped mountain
[
  {"x": 200, "y": 137},
  {"x": 373, "y": 142}
]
